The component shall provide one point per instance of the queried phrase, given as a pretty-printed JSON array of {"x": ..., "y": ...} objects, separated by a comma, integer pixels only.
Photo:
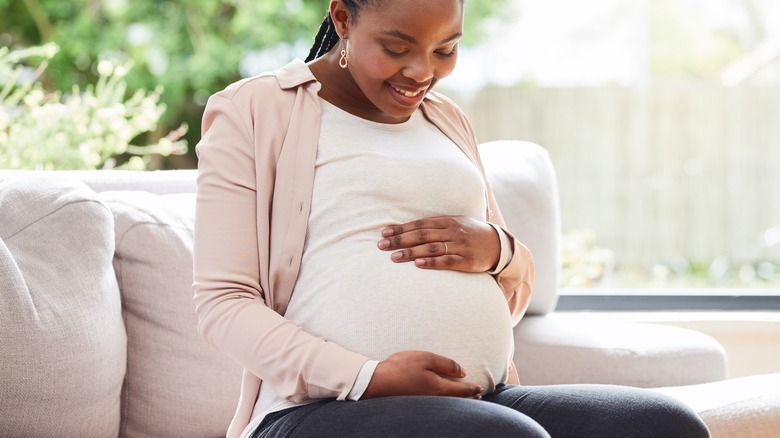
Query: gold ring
[{"x": 446, "y": 250}]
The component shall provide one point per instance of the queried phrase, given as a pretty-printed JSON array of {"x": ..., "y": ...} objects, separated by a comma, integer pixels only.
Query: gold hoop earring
[{"x": 343, "y": 60}]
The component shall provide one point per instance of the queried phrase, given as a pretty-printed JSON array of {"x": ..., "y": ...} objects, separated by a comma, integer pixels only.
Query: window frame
[{"x": 662, "y": 299}]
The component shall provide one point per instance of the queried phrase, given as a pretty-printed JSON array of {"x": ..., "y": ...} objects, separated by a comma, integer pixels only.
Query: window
[{"x": 661, "y": 117}]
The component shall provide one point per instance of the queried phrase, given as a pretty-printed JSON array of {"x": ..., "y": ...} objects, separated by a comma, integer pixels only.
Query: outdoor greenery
[
  {"x": 83, "y": 129},
  {"x": 189, "y": 49},
  {"x": 586, "y": 264}
]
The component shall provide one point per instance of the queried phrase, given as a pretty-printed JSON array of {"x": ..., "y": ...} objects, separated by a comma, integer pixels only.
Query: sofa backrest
[{"x": 159, "y": 182}]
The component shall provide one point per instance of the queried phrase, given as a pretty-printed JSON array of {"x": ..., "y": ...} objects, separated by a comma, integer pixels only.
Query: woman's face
[{"x": 398, "y": 49}]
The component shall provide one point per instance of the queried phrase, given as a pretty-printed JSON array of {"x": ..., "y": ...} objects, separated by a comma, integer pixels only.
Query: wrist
[
  {"x": 505, "y": 250},
  {"x": 374, "y": 388}
]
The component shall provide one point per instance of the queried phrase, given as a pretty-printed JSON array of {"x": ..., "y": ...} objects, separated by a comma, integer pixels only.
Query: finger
[
  {"x": 414, "y": 238},
  {"x": 450, "y": 262},
  {"x": 432, "y": 249},
  {"x": 453, "y": 388},
  {"x": 427, "y": 223},
  {"x": 445, "y": 366}
]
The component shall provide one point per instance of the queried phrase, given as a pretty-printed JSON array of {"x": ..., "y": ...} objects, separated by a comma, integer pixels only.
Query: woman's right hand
[{"x": 419, "y": 373}]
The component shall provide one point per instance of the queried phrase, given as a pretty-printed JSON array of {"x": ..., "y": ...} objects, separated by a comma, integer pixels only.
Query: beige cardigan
[{"x": 256, "y": 174}]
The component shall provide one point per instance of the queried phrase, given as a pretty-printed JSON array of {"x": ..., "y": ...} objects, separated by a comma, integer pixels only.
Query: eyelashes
[
  {"x": 393, "y": 53},
  {"x": 450, "y": 53},
  {"x": 399, "y": 53}
]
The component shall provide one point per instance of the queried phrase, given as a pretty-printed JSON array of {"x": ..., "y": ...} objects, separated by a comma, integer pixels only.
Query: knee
[
  {"x": 486, "y": 419},
  {"x": 666, "y": 416},
  {"x": 510, "y": 424}
]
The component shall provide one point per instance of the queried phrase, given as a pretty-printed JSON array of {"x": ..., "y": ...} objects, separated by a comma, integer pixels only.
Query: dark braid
[
  {"x": 322, "y": 36},
  {"x": 331, "y": 41},
  {"x": 327, "y": 37}
]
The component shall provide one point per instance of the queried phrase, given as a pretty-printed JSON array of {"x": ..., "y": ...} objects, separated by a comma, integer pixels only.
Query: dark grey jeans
[{"x": 510, "y": 411}]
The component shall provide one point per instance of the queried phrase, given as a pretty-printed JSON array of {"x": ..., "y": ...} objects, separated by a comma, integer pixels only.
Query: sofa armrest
[
  {"x": 742, "y": 407},
  {"x": 576, "y": 348},
  {"x": 525, "y": 186}
]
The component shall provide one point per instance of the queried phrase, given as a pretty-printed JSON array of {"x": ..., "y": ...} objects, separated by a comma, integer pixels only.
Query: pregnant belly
[{"x": 375, "y": 307}]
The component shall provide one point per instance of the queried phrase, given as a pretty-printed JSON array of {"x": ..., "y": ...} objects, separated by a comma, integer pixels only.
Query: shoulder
[
  {"x": 449, "y": 117},
  {"x": 270, "y": 88},
  {"x": 443, "y": 104},
  {"x": 439, "y": 106},
  {"x": 265, "y": 83}
]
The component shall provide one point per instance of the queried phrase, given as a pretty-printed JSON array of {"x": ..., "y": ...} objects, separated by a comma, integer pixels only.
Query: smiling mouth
[{"x": 407, "y": 93}]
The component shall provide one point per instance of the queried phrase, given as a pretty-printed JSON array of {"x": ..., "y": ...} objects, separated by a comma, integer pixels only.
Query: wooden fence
[{"x": 655, "y": 173}]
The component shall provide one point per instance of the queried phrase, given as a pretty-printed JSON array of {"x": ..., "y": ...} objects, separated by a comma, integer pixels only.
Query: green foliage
[
  {"x": 192, "y": 48},
  {"x": 585, "y": 264},
  {"x": 720, "y": 272},
  {"x": 83, "y": 129}
]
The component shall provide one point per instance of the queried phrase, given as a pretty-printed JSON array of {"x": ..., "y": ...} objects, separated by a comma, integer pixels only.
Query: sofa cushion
[
  {"x": 61, "y": 333},
  {"x": 580, "y": 348},
  {"x": 176, "y": 384}
]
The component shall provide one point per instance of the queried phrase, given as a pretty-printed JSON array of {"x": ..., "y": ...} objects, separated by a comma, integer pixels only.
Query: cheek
[
  {"x": 365, "y": 62},
  {"x": 379, "y": 67},
  {"x": 446, "y": 67}
]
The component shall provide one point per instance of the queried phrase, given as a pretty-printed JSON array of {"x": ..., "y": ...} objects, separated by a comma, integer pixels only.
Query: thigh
[
  {"x": 601, "y": 411},
  {"x": 401, "y": 417}
]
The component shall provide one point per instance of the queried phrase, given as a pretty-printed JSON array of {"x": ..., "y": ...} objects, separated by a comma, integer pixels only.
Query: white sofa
[{"x": 97, "y": 326}]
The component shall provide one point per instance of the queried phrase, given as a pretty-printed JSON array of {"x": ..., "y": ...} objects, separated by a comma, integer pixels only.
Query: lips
[
  {"x": 407, "y": 97},
  {"x": 407, "y": 93}
]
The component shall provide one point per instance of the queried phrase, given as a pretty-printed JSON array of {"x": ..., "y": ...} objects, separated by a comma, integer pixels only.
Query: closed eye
[
  {"x": 450, "y": 53},
  {"x": 395, "y": 53}
]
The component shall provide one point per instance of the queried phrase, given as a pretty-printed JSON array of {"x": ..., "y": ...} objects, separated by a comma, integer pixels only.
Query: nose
[{"x": 421, "y": 69}]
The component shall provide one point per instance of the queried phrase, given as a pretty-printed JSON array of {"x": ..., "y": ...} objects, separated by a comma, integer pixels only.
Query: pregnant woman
[{"x": 349, "y": 253}]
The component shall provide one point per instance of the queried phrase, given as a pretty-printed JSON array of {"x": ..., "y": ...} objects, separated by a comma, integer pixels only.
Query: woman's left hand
[{"x": 457, "y": 243}]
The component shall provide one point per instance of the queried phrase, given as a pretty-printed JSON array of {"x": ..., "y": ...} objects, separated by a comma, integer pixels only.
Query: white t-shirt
[{"x": 368, "y": 176}]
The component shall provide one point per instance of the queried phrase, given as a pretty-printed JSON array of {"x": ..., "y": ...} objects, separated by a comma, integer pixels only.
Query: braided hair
[{"x": 327, "y": 37}]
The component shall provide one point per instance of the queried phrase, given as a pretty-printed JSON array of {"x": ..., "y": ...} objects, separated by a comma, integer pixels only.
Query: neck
[{"x": 340, "y": 89}]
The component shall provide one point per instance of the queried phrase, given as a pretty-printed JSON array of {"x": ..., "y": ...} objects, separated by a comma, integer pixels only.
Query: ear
[{"x": 342, "y": 19}]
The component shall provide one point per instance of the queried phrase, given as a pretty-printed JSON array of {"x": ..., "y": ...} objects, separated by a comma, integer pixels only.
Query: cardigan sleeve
[
  {"x": 517, "y": 278},
  {"x": 231, "y": 255}
]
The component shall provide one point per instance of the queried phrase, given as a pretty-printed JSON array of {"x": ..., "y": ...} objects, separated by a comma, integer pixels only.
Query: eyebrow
[{"x": 405, "y": 37}]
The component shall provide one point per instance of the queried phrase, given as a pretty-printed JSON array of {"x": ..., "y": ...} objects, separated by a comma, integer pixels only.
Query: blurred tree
[{"x": 192, "y": 48}]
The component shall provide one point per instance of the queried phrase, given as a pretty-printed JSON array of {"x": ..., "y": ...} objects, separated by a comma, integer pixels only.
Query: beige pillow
[
  {"x": 61, "y": 333},
  {"x": 176, "y": 385}
]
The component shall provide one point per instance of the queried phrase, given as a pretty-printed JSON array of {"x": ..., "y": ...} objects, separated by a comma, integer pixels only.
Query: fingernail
[
  {"x": 419, "y": 262},
  {"x": 387, "y": 232},
  {"x": 479, "y": 390},
  {"x": 383, "y": 244},
  {"x": 396, "y": 256}
]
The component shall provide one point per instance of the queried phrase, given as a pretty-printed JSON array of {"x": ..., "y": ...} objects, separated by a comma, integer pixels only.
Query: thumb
[{"x": 446, "y": 367}]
